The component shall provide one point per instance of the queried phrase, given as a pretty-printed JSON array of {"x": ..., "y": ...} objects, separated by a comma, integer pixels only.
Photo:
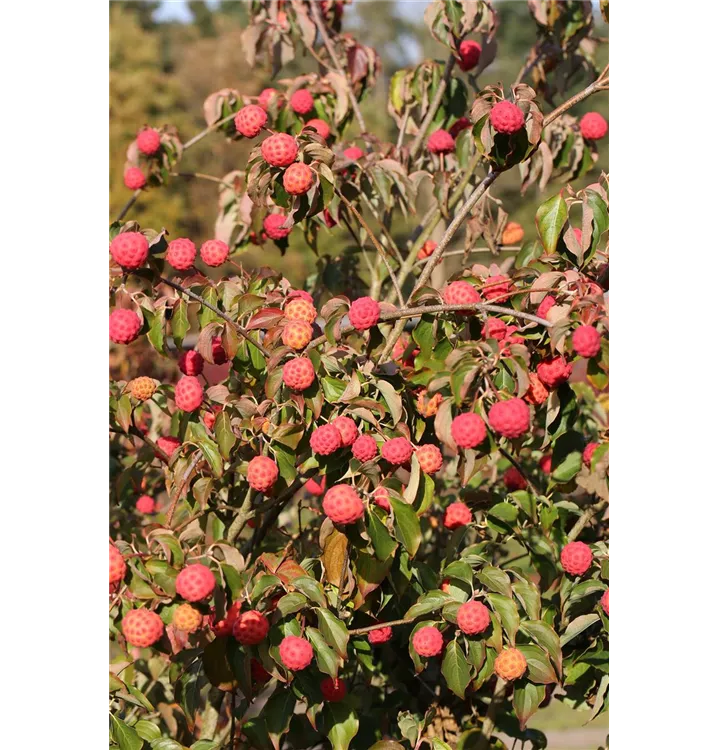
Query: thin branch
[
  {"x": 181, "y": 487},
  {"x": 600, "y": 84},
  {"x": 202, "y": 176},
  {"x": 487, "y": 726},
  {"x": 379, "y": 625},
  {"x": 583, "y": 521},
  {"x": 244, "y": 514},
  {"x": 402, "y": 129},
  {"x": 128, "y": 205},
  {"x": 414, "y": 312},
  {"x": 240, "y": 330},
  {"x": 520, "y": 470},
  {"x": 504, "y": 248},
  {"x": 429, "y": 117}
]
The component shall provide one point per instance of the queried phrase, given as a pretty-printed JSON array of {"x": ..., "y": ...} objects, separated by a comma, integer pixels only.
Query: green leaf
[
  {"x": 406, "y": 525},
  {"x": 526, "y": 700},
  {"x": 340, "y": 725},
  {"x": 495, "y": 580},
  {"x": 291, "y": 603},
  {"x": 206, "y": 315},
  {"x": 550, "y": 219},
  {"x": 180, "y": 323},
  {"x": 428, "y": 602},
  {"x": 286, "y": 460},
  {"x": 389, "y": 745},
  {"x": 264, "y": 582},
  {"x": 424, "y": 495},
  {"x": 540, "y": 669},
  {"x": 392, "y": 398},
  {"x": 585, "y": 588},
  {"x": 225, "y": 436},
  {"x": 147, "y": 730},
  {"x": 125, "y": 736},
  {"x": 504, "y": 512},
  {"x": 530, "y": 598},
  {"x": 310, "y": 588},
  {"x": 334, "y": 631},
  {"x": 384, "y": 545},
  {"x": 508, "y": 612},
  {"x": 567, "y": 456},
  {"x": 455, "y": 669},
  {"x": 277, "y": 714},
  {"x": 438, "y": 745},
  {"x": 578, "y": 626},
  {"x": 546, "y": 637},
  {"x": 204, "y": 745},
  {"x": 461, "y": 570},
  {"x": 327, "y": 660},
  {"x": 477, "y": 651},
  {"x": 123, "y": 415}
]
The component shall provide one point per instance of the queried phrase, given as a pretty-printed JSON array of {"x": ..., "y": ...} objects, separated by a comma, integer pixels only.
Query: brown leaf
[{"x": 333, "y": 555}]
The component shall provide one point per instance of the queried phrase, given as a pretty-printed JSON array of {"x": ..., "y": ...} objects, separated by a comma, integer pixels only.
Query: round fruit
[
  {"x": 279, "y": 150},
  {"x": 593, "y": 126},
  {"x": 469, "y": 54},
  {"x": 142, "y": 388},
  {"x": 513, "y": 234},
  {"x": 142, "y": 628},
  {"x": 494, "y": 328},
  {"x": 514, "y": 480},
  {"x": 461, "y": 124},
  {"x": 381, "y": 497},
  {"x": 380, "y": 635},
  {"x": 250, "y": 120},
  {"x": 510, "y": 664},
  {"x": 298, "y": 373},
  {"x": 297, "y": 334},
  {"x": 604, "y": 602},
  {"x": 186, "y": 618},
  {"x": 347, "y": 429},
  {"x": 223, "y": 628},
  {"x": 460, "y": 293},
  {"x": 473, "y": 617},
  {"x": 428, "y": 641},
  {"x": 316, "y": 488},
  {"x": 302, "y": 102},
  {"x": 325, "y": 440},
  {"x": 364, "y": 313},
  {"x": 273, "y": 226},
  {"x": 457, "y": 514},
  {"x": 586, "y": 341},
  {"x": 300, "y": 309},
  {"x": 545, "y": 463},
  {"x": 554, "y": 371},
  {"x": 266, "y": 97},
  {"x": 588, "y": 452},
  {"x": 195, "y": 582},
  {"x": 430, "y": 458},
  {"x": 397, "y": 451},
  {"x": 342, "y": 504},
  {"x": 576, "y": 558},
  {"x": 296, "y": 653},
  {"x": 124, "y": 325},
  {"x": 440, "y": 142},
  {"x": 497, "y": 288},
  {"x": 129, "y": 249},
  {"x": 300, "y": 294},
  {"x": 191, "y": 363},
  {"x": 145, "y": 504},
  {"x": 148, "y": 141},
  {"x": 181, "y": 253},
  {"x": 364, "y": 448},
  {"x": 320, "y": 126},
  {"x": 468, "y": 430},
  {"x": 427, "y": 250},
  {"x": 214, "y": 252},
  {"x": 536, "y": 393},
  {"x": 169, "y": 444},
  {"x": 506, "y": 117},
  {"x": 353, "y": 153},
  {"x": 251, "y": 628},
  {"x": 298, "y": 179},
  {"x": 510, "y": 418},
  {"x": 118, "y": 566},
  {"x": 134, "y": 178},
  {"x": 262, "y": 473},
  {"x": 546, "y": 304},
  {"x": 188, "y": 393},
  {"x": 333, "y": 690}
]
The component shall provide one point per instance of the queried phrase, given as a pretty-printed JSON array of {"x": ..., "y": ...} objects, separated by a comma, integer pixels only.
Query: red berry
[
  {"x": 191, "y": 363},
  {"x": 300, "y": 309},
  {"x": 546, "y": 304},
  {"x": 457, "y": 514},
  {"x": 181, "y": 253},
  {"x": 586, "y": 341},
  {"x": 266, "y": 97},
  {"x": 333, "y": 690},
  {"x": 188, "y": 393},
  {"x": 510, "y": 664},
  {"x": 510, "y": 418},
  {"x": 316, "y": 488},
  {"x": 325, "y": 440},
  {"x": 380, "y": 635},
  {"x": 353, "y": 153},
  {"x": 430, "y": 458},
  {"x": 497, "y": 288},
  {"x": 593, "y": 126},
  {"x": 460, "y": 293},
  {"x": 461, "y": 124},
  {"x": 554, "y": 371},
  {"x": 134, "y": 178},
  {"x": 214, "y": 252},
  {"x": 381, "y": 497},
  {"x": 364, "y": 448},
  {"x": 262, "y": 473},
  {"x": 342, "y": 504},
  {"x": 428, "y": 641},
  {"x": 298, "y": 374},
  {"x": 129, "y": 249},
  {"x": 118, "y": 566},
  {"x": 223, "y": 628},
  {"x": 576, "y": 558},
  {"x": 186, "y": 618},
  {"x": 364, "y": 313},
  {"x": 219, "y": 355},
  {"x": 148, "y": 141},
  {"x": 468, "y": 430},
  {"x": 302, "y": 102},
  {"x": 320, "y": 126},
  {"x": 142, "y": 628},
  {"x": 296, "y": 653},
  {"x": 250, "y": 628},
  {"x": 209, "y": 418},
  {"x": 124, "y": 325},
  {"x": 279, "y": 150},
  {"x": 536, "y": 393},
  {"x": 145, "y": 504},
  {"x": 169, "y": 444},
  {"x": 506, "y": 117},
  {"x": 494, "y": 328},
  {"x": 588, "y": 452},
  {"x": 250, "y": 120},
  {"x": 297, "y": 334},
  {"x": 514, "y": 479},
  {"x": 397, "y": 451},
  {"x": 273, "y": 226},
  {"x": 473, "y": 617},
  {"x": 195, "y": 582},
  {"x": 545, "y": 463},
  {"x": 427, "y": 250},
  {"x": 469, "y": 53},
  {"x": 298, "y": 179},
  {"x": 604, "y": 602},
  {"x": 347, "y": 429},
  {"x": 440, "y": 142},
  {"x": 258, "y": 672}
]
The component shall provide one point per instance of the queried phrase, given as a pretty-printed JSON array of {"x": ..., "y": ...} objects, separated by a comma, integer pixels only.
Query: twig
[
  {"x": 600, "y": 84},
  {"x": 128, "y": 205},
  {"x": 428, "y": 118},
  {"x": 240, "y": 330},
  {"x": 244, "y": 514},
  {"x": 402, "y": 129},
  {"x": 506, "y": 248},
  {"x": 180, "y": 488},
  {"x": 390, "y": 624},
  {"x": 583, "y": 521},
  {"x": 489, "y": 722},
  {"x": 202, "y": 176},
  {"x": 518, "y": 468},
  {"x": 413, "y": 312}
]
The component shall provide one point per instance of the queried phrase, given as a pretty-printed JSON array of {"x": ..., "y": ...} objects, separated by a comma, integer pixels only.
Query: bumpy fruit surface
[
  {"x": 586, "y": 341},
  {"x": 364, "y": 313},
  {"x": 473, "y": 617},
  {"x": 604, "y": 602},
  {"x": 342, "y": 504},
  {"x": 536, "y": 393},
  {"x": 427, "y": 250},
  {"x": 593, "y": 126},
  {"x": 181, "y": 253},
  {"x": 513, "y": 233},
  {"x": 142, "y": 388},
  {"x": 469, "y": 54},
  {"x": 546, "y": 304},
  {"x": 279, "y": 150},
  {"x": 223, "y": 628},
  {"x": 320, "y": 126},
  {"x": 514, "y": 479},
  {"x": 380, "y": 635},
  {"x": 468, "y": 430},
  {"x": 353, "y": 153},
  {"x": 214, "y": 252},
  {"x": 428, "y": 641},
  {"x": 169, "y": 444},
  {"x": 273, "y": 226},
  {"x": 510, "y": 664},
  {"x": 148, "y": 141},
  {"x": 364, "y": 448},
  {"x": 576, "y": 558},
  {"x": 316, "y": 488},
  {"x": 440, "y": 142},
  {"x": 262, "y": 473},
  {"x": 457, "y": 514},
  {"x": 134, "y": 178},
  {"x": 118, "y": 566},
  {"x": 588, "y": 452},
  {"x": 545, "y": 463},
  {"x": 333, "y": 690},
  {"x": 302, "y": 102},
  {"x": 296, "y": 653},
  {"x": 494, "y": 328},
  {"x": 124, "y": 325},
  {"x": 191, "y": 363},
  {"x": 506, "y": 117},
  {"x": 325, "y": 440},
  {"x": 347, "y": 429},
  {"x": 142, "y": 628},
  {"x": 300, "y": 294},
  {"x": 497, "y": 288},
  {"x": 186, "y": 618},
  {"x": 195, "y": 582},
  {"x": 430, "y": 458},
  {"x": 129, "y": 249},
  {"x": 510, "y": 418},
  {"x": 460, "y": 293},
  {"x": 297, "y": 334},
  {"x": 250, "y": 120},
  {"x": 461, "y": 124},
  {"x": 298, "y": 178},
  {"x": 427, "y": 406},
  {"x": 145, "y": 504},
  {"x": 554, "y": 371},
  {"x": 251, "y": 628},
  {"x": 300, "y": 309},
  {"x": 266, "y": 96},
  {"x": 298, "y": 374},
  {"x": 397, "y": 451},
  {"x": 381, "y": 497},
  {"x": 188, "y": 393}
]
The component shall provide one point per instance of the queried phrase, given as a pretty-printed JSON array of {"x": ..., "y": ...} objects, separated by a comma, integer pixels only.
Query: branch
[
  {"x": 181, "y": 487},
  {"x": 489, "y": 722},
  {"x": 583, "y": 521},
  {"x": 241, "y": 331},
  {"x": 429, "y": 117},
  {"x": 600, "y": 84},
  {"x": 504, "y": 248},
  {"x": 414, "y": 312},
  {"x": 244, "y": 514},
  {"x": 379, "y": 625}
]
